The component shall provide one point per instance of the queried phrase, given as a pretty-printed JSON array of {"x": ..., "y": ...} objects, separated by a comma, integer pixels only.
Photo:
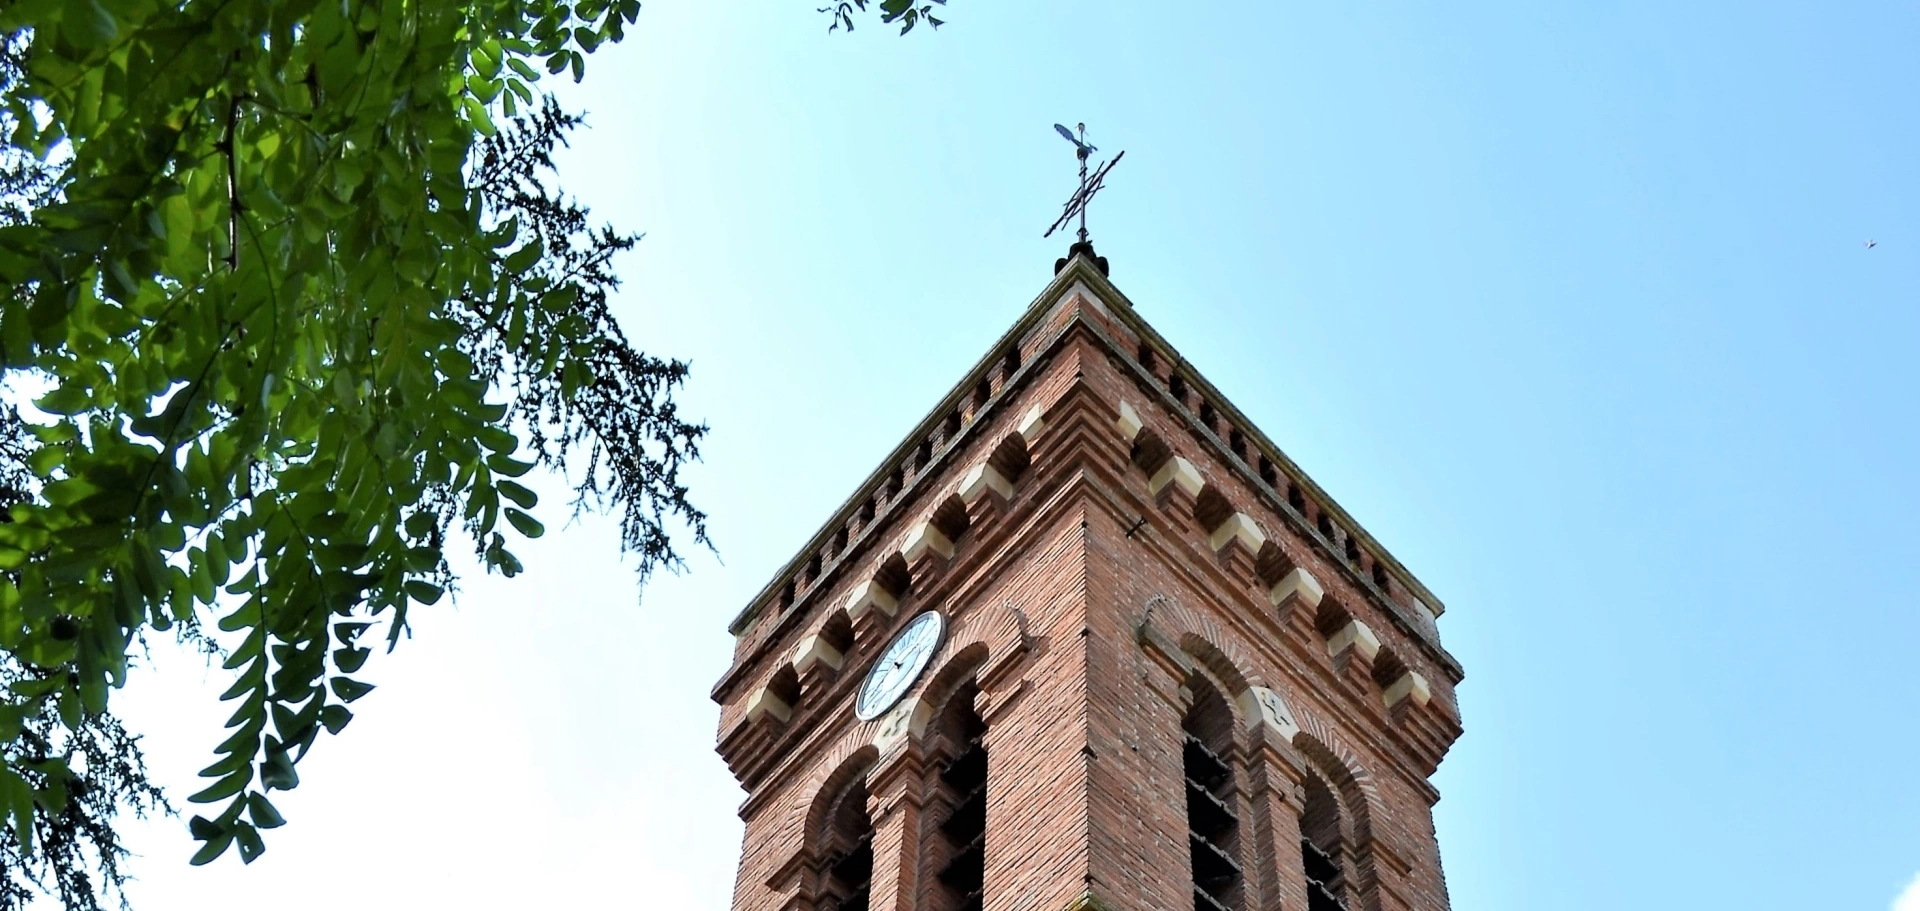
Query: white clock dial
[{"x": 899, "y": 666}]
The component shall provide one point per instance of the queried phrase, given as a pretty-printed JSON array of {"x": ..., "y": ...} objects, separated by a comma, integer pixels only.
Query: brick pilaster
[
  {"x": 895, "y": 795},
  {"x": 1273, "y": 791}
]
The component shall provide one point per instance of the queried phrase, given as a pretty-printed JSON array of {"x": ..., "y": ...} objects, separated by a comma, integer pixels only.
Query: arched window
[
  {"x": 960, "y": 844},
  {"x": 1320, "y": 847},
  {"x": 848, "y": 851},
  {"x": 1213, "y": 827}
]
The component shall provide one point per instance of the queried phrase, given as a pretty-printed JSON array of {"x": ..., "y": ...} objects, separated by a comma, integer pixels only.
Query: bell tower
[{"x": 1088, "y": 639}]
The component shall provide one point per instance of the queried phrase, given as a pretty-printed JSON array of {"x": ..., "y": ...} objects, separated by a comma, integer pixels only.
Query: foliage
[
  {"x": 300, "y": 309},
  {"x": 908, "y": 13},
  {"x": 304, "y": 312},
  {"x": 75, "y": 834}
]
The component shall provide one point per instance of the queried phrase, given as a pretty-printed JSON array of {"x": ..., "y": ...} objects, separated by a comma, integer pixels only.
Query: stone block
[
  {"x": 868, "y": 596},
  {"x": 906, "y": 720},
  {"x": 1238, "y": 527},
  {"x": 1180, "y": 473},
  {"x": 1129, "y": 422},
  {"x": 982, "y": 478},
  {"x": 812, "y": 651},
  {"x": 764, "y": 704},
  {"x": 1409, "y": 686},
  {"x": 1264, "y": 708},
  {"x": 1033, "y": 424},
  {"x": 1357, "y": 636},
  {"x": 924, "y": 540},
  {"x": 1298, "y": 584}
]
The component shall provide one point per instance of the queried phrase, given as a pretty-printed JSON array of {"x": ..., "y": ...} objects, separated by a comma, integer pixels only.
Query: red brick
[{"x": 1081, "y": 637}]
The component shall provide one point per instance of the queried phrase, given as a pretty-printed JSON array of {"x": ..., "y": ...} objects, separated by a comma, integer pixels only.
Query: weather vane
[{"x": 1077, "y": 205}]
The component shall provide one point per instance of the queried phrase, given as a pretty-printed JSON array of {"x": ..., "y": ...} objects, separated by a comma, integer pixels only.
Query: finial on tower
[{"x": 1077, "y": 204}]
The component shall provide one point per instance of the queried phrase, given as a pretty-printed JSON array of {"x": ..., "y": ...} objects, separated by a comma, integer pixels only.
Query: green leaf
[
  {"x": 519, "y": 261},
  {"x": 423, "y": 592},
  {"x": 501, "y": 464},
  {"x": 350, "y": 690},
  {"x": 225, "y": 787},
  {"x": 421, "y": 523},
  {"x": 68, "y": 399},
  {"x": 211, "y": 850},
  {"x": 525, "y": 524},
  {"x": 203, "y": 828},
  {"x": 277, "y": 772},
  {"x": 45, "y": 459},
  {"x": 262, "y": 812},
  {"x": 349, "y": 660},
  {"x": 248, "y": 838},
  {"x": 334, "y": 718},
  {"x": 520, "y": 495}
]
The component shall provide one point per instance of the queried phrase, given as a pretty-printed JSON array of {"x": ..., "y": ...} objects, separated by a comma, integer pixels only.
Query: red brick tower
[{"x": 1118, "y": 652}]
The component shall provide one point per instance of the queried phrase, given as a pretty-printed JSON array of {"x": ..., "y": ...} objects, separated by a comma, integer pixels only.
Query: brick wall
[{"x": 1081, "y": 601}]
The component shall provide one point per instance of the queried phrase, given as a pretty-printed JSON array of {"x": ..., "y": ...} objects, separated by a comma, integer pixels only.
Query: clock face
[{"x": 899, "y": 666}]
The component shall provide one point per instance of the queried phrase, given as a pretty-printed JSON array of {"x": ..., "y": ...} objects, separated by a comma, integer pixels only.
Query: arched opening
[
  {"x": 785, "y": 685},
  {"x": 959, "y": 853},
  {"x": 894, "y": 576},
  {"x": 1011, "y": 458},
  {"x": 837, "y": 631},
  {"x": 1331, "y": 618},
  {"x": 951, "y": 518},
  {"x": 1213, "y": 824},
  {"x": 1211, "y": 508},
  {"x": 846, "y": 852},
  {"x": 1149, "y": 451},
  {"x": 1271, "y": 564},
  {"x": 1320, "y": 840},
  {"x": 1387, "y": 668}
]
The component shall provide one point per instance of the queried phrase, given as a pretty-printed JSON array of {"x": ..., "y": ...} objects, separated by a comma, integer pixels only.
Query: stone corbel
[
  {"x": 982, "y": 479},
  {"x": 764, "y": 704},
  {"x": 1177, "y": 485},
  {"x": 870, "y": 596},
  {"x": 1238, "y": 527},
  {"x": 1356, "y": 636},
  {"x": 1129, "y": 422},
  {"x": 1238, "y": 540},
  {"x": 1353, "y": 648},
  {"x": 906, "y": 721},
  {"x": 1410, "y": 687},
  {"x": 1032, "y": 425},
  {"x": 1267, "y": 711},
  {"x": 926, "y": 540},
  {"x": 816, "y": 652},
  {"x": 1297, "y": 593}
]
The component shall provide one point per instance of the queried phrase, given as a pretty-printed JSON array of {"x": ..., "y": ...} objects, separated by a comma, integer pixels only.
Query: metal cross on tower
[{"x": 1077, "y": 205}]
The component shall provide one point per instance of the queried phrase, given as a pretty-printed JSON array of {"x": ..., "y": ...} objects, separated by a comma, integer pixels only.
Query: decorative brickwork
[{"x": 1175, "y": 674}]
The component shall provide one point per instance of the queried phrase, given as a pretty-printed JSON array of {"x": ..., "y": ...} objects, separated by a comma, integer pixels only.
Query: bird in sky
[{"x": 1872, "y": 243}]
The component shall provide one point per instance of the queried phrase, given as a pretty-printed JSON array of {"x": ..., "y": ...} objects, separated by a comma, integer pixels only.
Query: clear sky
[{"x": 1569, "y": 303}]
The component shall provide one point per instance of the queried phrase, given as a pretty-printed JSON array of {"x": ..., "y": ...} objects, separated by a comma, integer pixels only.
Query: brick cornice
[
  {"x": 1082, "y": 462},
  {"x": 1052, "y": 494},
  {"x": 1079, "y": 271},
  {"x": 1075, "y": 292},
  {"x": 1182, "y": 551}
]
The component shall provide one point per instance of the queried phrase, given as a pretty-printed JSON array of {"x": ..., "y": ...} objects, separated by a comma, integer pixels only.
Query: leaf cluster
[
  {"x": 300, "y": 308},
  {"x": 304, "y": 311},
  {"x": 908, "y": 13}
]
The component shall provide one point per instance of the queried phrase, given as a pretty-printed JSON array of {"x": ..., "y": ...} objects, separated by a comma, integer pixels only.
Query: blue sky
[{"x": 1569, "y": 304}]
